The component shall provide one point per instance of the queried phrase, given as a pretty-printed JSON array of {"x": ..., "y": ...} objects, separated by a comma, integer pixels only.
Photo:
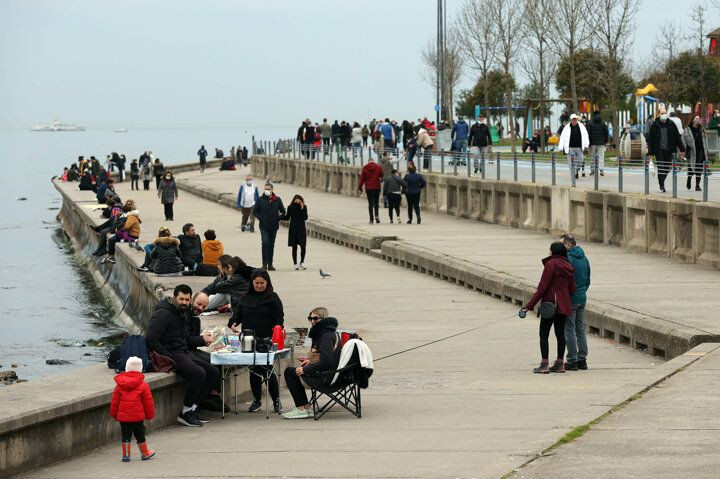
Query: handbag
[
  {"x": 548, "y": 309},
  {"x": 162, "y": 364}
]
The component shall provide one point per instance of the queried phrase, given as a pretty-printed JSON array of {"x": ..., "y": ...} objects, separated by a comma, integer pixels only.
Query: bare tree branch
[{"x": 454, "y": 63}]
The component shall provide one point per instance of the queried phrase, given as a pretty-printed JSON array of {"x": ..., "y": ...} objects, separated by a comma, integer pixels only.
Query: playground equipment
[
  {"x": 632, "y": 144},
  {"x": 645, "y": 104}
]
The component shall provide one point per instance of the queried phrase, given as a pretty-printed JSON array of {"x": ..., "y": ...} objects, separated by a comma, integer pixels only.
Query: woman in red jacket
[
  {"x": 371, "y": 177},
  {"x": 556, "y": 285},
  {"x": 131, "y": 404}
]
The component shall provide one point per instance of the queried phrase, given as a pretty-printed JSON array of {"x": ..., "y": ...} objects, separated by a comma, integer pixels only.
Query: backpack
[
  {"x": 133, "y": 346},
  {"x": 113, "y": 357}
]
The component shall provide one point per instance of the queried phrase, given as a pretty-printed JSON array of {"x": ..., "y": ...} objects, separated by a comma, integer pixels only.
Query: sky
[{"x": 222, "y": 63}]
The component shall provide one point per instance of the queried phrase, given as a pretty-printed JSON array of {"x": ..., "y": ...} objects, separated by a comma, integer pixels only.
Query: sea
[{"x": 51, "y": 308}]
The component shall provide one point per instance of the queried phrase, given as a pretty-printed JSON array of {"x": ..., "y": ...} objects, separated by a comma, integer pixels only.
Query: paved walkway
[
  {"x": 464, "y": 407},
  {"x": 649, "y": 284}
]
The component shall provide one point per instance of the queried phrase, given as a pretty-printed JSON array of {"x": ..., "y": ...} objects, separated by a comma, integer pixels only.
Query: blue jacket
[
  {"x": 415, "y": 182},
  {"x": 577, "y": 259},
  {"x": 242, "y": 192},
  {"x": 460, "y": 130},
  {"x": 387, "y": 131}
]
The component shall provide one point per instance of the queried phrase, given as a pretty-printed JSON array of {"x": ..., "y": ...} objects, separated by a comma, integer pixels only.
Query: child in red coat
[{"x": 131, "y": 404}]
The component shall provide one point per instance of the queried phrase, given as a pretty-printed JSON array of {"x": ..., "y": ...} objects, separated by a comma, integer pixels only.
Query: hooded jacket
[
  {"x": 597, "y": 130},
  {"x": 259, "y": 312},
  {"x": 324, "y": 340},
  {"x": 211, "y": 251},
  {"x": 169, "y": 330},
  {"x": 386, "y": 163},
  {"x": 236, "y": 286},
  {"x": 166, "y": 257},
  {"x": 131, "y": 400},
  {"x": 556, "y": 284},
  {"x": 370, "y": 176},
  {"x": 460, "y": 131},
  {"x": 564, "y": 142},
  {"x": 190, "y": 249},
  {"x": 576, "y": 257},
  {"x": 132, "y": 223},
  {"x": 269, "y": 212},
  {"x": 415, "y": 182},
  {"x": 167, "y": 191}
]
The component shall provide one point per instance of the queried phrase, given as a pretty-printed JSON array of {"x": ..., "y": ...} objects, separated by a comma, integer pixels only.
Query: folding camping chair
[{"x": 344, "y": 391}]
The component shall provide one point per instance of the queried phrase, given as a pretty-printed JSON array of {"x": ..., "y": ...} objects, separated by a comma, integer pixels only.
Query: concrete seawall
[{"x": 688, "y": 231}]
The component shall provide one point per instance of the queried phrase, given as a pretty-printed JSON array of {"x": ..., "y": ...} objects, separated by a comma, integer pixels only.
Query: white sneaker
[
  {"x": 298, "y": 414},
  {"x": 297, "y": 267},
  {"x": 302, "y": 266}
]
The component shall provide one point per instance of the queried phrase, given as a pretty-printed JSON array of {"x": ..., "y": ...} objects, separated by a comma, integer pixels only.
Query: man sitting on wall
[{"x": 190, "y": 248}]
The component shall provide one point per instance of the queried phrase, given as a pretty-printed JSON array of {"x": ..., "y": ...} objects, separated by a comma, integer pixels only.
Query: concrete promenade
[
  {"x": 467, "y": 406},
  {"x": 651, "y": 285}
]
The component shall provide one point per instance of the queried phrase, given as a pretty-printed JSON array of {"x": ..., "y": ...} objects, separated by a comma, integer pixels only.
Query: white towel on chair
[{"x": 347, "y": 351}]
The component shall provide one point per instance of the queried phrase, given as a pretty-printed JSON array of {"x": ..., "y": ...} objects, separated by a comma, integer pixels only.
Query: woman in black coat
[
  {"x": 297, "y": 234},
  {"x": 260, "y": 310}
]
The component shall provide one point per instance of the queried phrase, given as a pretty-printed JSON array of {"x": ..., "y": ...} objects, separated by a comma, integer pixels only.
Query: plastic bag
[{"x": 651, "y": 168}]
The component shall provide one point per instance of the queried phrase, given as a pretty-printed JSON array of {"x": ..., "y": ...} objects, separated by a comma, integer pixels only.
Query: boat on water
[
  {"x": 120, "y": 130},
  {"x": 57, "y": 126}
]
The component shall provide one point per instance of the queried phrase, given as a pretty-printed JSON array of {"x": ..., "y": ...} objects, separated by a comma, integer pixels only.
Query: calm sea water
[{"x": 51, "y": 308}]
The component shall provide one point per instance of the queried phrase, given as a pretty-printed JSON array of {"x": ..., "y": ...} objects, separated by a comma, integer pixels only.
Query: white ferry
[{"x": 57, "y": 126}]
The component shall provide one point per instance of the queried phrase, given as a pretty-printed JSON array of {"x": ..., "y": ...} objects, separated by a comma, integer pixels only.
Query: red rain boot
[
  {"x": 126, "y": 452},
  {"x": 145, "y": 452}
]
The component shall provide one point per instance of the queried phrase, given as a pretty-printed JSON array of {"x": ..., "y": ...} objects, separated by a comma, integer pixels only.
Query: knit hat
[{"x": 134, "y": 364}]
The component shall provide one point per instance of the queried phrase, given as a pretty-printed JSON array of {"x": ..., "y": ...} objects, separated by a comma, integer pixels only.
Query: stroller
[{"x": 457, "y": 158}]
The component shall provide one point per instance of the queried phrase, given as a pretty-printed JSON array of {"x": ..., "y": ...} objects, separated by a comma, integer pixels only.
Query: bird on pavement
[{"x": 325, "y": 275}]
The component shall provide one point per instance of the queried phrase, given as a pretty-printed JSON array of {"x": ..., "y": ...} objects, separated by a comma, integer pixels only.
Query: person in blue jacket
[
  {"x": 459, "y": 134},
  {"x": 575, "y": 338}
]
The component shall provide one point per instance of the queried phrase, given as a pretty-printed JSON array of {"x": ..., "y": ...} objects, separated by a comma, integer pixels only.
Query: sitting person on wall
[
  {"x": 105, "y": 190},
  {"x": 128, "y": 229},
  {"x": 228, "y": 164},
  {"x": 163, "y": 256},
  {"x": 231, "y": 284},
  {"x": 87, "y": 182},
  {"x": 212, "y": 249},
  {"x": 190, "y": 248},
  {"x": 324, "y": 356},
  {"x": 169, "y": 335},
  {"x": 113, "y": 211}
]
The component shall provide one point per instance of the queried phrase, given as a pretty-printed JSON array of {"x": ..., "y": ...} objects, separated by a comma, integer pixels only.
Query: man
[
  {"x": 575, "y": 338},
  {"x": 663, "y": 140},
  {"x": 715, "y": 122},
  {"x": 202, "y": 154},
  {"x": 336, "y": 137},
  {"x": 481, "y": 139},
  {"x": 388, "y": 133},
  {"x": 326, "y": 134},
  {"x": 247, "y": 197},
  {"x": 459, "y": 135},
  {"x": 599, "y": 137},
  {"x": 371, "y": 177},
  {"x": 573, "y": 140},
  {"x": 169, "y": 335},
  {"x": 190, "y": 247},
  {"x": 269, "y": 210}
]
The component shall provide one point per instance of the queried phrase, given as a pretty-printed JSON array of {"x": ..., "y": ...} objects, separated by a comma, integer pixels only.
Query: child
[
  {"x": 147, "y": 176},
  {"x": 134, "y": 175},
  {"x": 131, "y": 404}
]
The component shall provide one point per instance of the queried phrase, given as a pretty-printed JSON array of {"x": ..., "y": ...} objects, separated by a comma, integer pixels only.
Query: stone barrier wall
[{"x": 686, "y": 230}]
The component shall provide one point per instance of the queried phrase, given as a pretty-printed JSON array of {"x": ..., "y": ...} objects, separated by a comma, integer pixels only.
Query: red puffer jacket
[
  {"x": 370, "y": 176},
  {"x": 556, "y": 284},
  {"x": 132, "y": 400}
]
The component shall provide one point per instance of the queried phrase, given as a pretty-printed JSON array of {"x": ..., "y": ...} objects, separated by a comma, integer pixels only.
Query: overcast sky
[{"x": 206, "y": 63}]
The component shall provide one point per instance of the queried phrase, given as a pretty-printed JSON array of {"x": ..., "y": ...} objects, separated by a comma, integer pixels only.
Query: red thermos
[{"x": 278, "y": 337}]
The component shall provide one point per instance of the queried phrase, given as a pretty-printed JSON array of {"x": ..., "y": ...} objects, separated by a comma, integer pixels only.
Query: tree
[
  {"x": 488, "y": 91},
  {"x": 698, "y": 37},
  {"x": 590, "y": 66},
  {"x": 570, "y": 33},
  {"x": 614, "y": 21},
  {"x": 453, "y": 68},
  {"x": 689, "y": 78},
  {"x": 477, "y": 44}
]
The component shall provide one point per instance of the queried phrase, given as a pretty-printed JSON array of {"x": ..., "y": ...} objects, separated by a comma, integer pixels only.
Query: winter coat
[
  {"x": 132, "y": 224},
  {"x": 480, "y": 135},
  {"x": 211, "y": 251},
  {"x": 326, "y": 342},
  {"x": 393, "y": 185},
  {"x": 415, "y": 182},
  {"x": 259, "y": 312},
  {"x": 460, "y": 131},
  {"x": 190, "y": 249},
  {"x": 131, "y": 400},
  {"x": 674, "y": 141},
  {"x": 424, "y": 140},
  {"x": 236, "y": 286},
  {"x": 386, "y": 163},
  {"x": 370, "y": 176},
  {"x": 325, "y": 130},
  {"x": 691, "y": 149},
  {"x": 556, "y": 284},
  {"x": 202, "y": 153},
  {"x": 564, "y": 142},
  {"x": 167, "y": 191},
  {"x": 87, "y": 182},
  {"x": 168, "y": 331},
  {"x": 597, "y": 131},
  {"x": 576, "y": 257},
  {"x": 269, "y": 212},
  {"x": 356, "y": 135},
  {"x": 166, "y": 257},
  {"x": 297, "y": 235},
  {"x": 193, "y": 329},
  {"x": 714, "y": 123},
  {"x": 158, "y": 168},
  {"x": 388, "y": 132},
  {"x": 134, "y": 170}
]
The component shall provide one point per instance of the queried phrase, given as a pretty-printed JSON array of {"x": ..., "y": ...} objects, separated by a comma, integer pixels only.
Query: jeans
[
  {"x": 597, "y": 151},
  {"x": 200, "y": 376},
  {"x": 558, "y": 322},
  {"x": 481, "y": 154},
  {"x": 129, "y": 428},
  {"x": 575, "y": 338},
  {"x": 462, "y": 146},
  {"x": 267, "y": 239},
  {"x": 413, "y": 201},
  {"x": 217, "y": 300},
  {"x": 373, "y": 197},
  {"x": 296, "y": 387},
  {"x": 575, "y": 159},
  {"x": 134, "y": 182},
  {"x": 168, "y": 211}
]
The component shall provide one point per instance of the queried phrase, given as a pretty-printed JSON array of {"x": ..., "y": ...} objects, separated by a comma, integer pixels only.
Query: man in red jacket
[{"x": 371, "y": 176}]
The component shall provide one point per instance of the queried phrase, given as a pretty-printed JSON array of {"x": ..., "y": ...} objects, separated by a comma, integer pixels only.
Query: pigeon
[{"x": 325, "y": 275}]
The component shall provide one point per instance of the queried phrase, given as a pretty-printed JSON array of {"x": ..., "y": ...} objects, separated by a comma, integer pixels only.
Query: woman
[
  {"x": 415, "y": 183},
  {"x": 426, "y": 143},
  {"x": 695, "y": 139},
  {"x": 165, "y": 257},
  {"x": 393, "y": 189},
  {"x": 260, "y": 310},
  {"x": 168, "y": 193},
  {"x": 365, "y": 134},
  {"x": 230, "y": 285},
  {"x": 212, "y": 249},
  {"x": 556, "y": 285},
  {"x": 297, "y": 235},
  {"x": 158, "y": 171},
  {"x": 357, "y": 137},
  {"x": 129, "y": 230},
  {"x": 324, "y": 356}
]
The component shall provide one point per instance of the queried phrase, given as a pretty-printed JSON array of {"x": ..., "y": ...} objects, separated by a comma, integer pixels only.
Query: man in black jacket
[
  {"x": 480, "y": 138},
  {"x": 663, "y": 141},
  {"x": 190, "y": 247},
  {"x": 169, "y": 335},
  {"x": 599, "y": 136},
  {"x": 269, "y": 210}
]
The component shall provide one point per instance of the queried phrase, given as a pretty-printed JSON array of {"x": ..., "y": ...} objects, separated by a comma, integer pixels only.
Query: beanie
[{"x": 134, "y": 364}]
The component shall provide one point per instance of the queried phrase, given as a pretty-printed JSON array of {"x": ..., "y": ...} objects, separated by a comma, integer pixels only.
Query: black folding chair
[{"x": 345, "y": 391}]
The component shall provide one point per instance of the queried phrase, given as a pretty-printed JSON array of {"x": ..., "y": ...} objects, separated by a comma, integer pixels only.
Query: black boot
[
  {"x": 688, "y": 184},
  {"x": 697, "y": 184}
]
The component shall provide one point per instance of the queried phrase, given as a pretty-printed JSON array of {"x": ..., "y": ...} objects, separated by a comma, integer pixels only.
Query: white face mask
[
  {"x": 268, "y": 192},
  {"x": 249, "y": 183},
  {"x": 663, "y": 117}
]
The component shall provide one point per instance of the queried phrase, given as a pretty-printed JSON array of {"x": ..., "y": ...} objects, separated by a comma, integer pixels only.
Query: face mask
[
  {"x": 696, "y": 122},
  {"x": 249, "y": 183},
  {"x": 167, "y": 177},
  {"x": 268, "y": 192},
  {"x": 663, "y": 117}
]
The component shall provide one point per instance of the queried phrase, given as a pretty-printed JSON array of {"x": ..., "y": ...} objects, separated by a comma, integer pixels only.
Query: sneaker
[
  {"x": 592, "y": 173},
  {"x": 576, "y": 175},
  {"x": 542, "y": 369},
  {"x": 602, "y": 173},
  {"x": 391, "y": 220},
  {"x": 200, "y": 418},
  {"x": 271, "y": 267},
  {"x": 582, "y": 364},
  {"x": 189, "y": 419},
  {"x": 277, "y": 406},
  {"x": 371, "y": 221},
  {"x": 298, "y": 414},
  {"x": 255, "y": 406},
  {"x": 571, "y": 366},
  {"x": 583, "y": 174},
  {"x": 297, "y": 267},
  {"x": 377, "y": 220},
  {"x": 143, "y": 269},
  {"x": 419, "y": 221},
  {"x": 409, "y": 222},
  {"x": 558, "y": 367},
  {"x": 302, "y": 266}
]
